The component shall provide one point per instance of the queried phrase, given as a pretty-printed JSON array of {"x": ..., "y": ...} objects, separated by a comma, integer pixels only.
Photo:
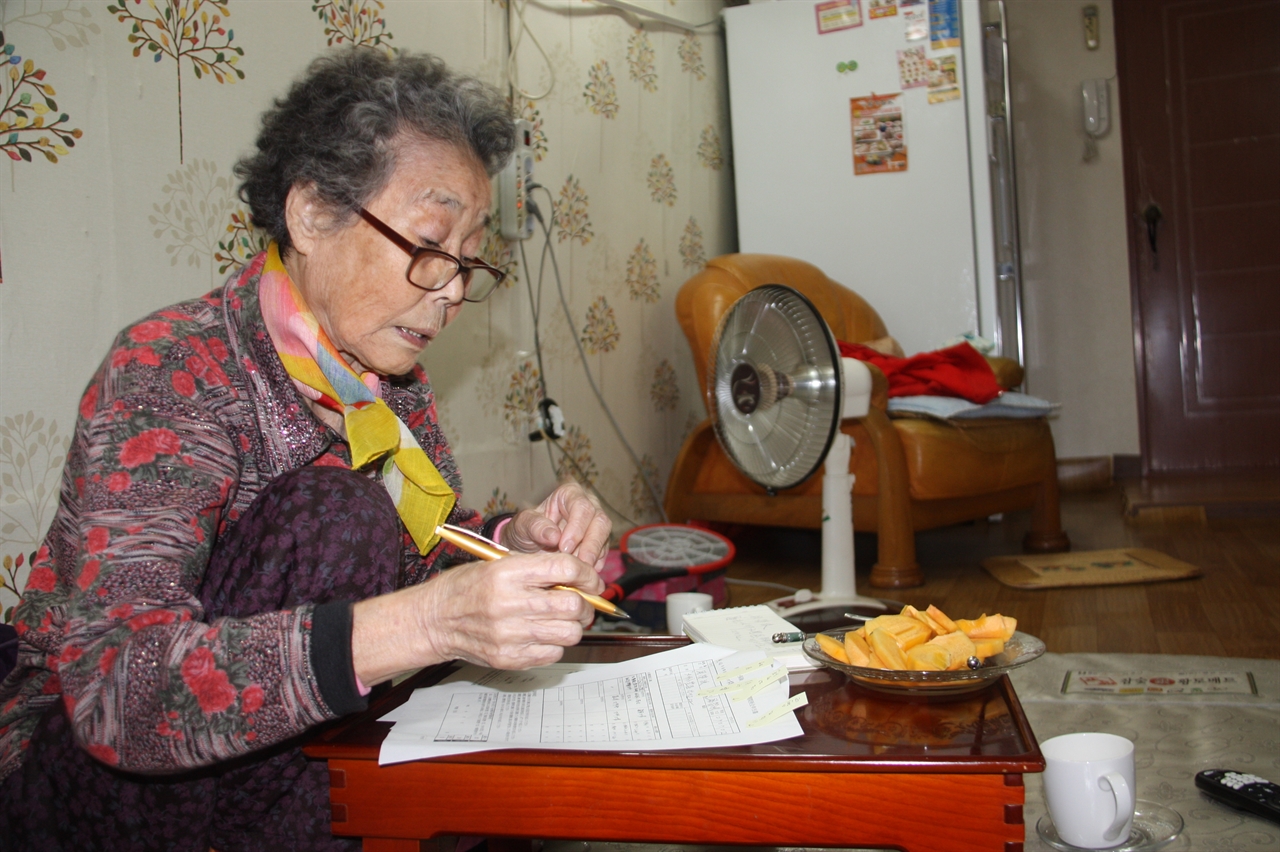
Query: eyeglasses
[{"x": 432, "y": 268}]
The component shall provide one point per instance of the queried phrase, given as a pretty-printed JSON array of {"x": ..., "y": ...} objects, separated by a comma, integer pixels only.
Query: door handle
[{"x": 1152, "y": 216}]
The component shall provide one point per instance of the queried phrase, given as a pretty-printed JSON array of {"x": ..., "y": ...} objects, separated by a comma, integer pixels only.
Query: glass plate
[
  {"x": 1018, "y": 651},
  {"x": 1154, "y": 827}
]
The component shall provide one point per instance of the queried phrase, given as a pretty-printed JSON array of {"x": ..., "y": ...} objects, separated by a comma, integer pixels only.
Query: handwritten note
[
  {"x": 748, "y": 628},
  {"x": 672, "y": 700}
]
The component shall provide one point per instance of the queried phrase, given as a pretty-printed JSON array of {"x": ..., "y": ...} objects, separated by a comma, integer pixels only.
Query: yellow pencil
[{"x": 478, "y": 545}]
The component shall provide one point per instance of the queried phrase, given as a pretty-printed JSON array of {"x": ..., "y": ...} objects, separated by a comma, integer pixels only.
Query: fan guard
[{"x": 775, "y": 395}]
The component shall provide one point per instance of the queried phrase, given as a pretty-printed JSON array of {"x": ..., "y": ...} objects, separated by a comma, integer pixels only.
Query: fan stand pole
[{"x": 838, "y": 569}]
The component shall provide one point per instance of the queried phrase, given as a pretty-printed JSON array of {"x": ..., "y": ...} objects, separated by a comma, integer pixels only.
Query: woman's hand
[
  {"x": 505, "y": 615},
  {"x": 502, "y": 614},
  {"x": 570, "y": 520}
]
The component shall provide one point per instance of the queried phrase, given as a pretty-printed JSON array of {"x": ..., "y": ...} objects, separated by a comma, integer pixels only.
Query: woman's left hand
[{"x": 570, "y": 520}]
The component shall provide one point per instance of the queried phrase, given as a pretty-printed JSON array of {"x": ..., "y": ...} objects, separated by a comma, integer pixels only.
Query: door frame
[{"x": 1133, "y": 233}]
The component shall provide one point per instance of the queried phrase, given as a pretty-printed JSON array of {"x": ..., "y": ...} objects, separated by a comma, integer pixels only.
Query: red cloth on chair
[{"x": 958, "y": 370}]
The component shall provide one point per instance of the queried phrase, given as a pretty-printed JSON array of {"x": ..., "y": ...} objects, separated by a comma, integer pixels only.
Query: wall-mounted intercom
[{"x": 1097, "y": 106}]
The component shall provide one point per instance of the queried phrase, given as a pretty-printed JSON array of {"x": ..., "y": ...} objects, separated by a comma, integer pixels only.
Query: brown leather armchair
[{"x": 911, "y": 473}]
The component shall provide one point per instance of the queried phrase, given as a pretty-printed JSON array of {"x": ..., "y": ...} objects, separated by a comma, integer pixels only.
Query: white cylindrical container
[{"x": 837, "y": 520}]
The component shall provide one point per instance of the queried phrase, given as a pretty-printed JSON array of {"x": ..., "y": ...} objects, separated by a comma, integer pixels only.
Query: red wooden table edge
[
  {"x": 334, "y": 743},
  {"x": 947, "y": 813},
  {"x": 369, "y": 800}
]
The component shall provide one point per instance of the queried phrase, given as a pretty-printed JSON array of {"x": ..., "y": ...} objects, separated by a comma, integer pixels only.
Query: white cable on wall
[
  {"x": 513, "y": 74},
  {"x": 582, "y": 355},
  {"x": 516, "y": 34},
  {"x": 624, "y": 6},
  {"x": 535, "y": 309},
  {"x": 656, "y": 16}
]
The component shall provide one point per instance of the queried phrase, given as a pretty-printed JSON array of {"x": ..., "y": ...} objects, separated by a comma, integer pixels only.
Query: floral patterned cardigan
[{"x": 189, "y": 417}]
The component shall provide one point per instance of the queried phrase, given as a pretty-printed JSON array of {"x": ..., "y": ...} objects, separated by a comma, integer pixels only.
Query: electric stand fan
[{"x": 778, "y": 391}]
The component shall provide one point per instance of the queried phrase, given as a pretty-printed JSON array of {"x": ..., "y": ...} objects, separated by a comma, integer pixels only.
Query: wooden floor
[{"x": 1232, "y": 610}]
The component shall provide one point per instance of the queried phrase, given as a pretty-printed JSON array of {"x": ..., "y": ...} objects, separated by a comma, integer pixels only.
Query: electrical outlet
[
  {"x": 550, "y": 421},
  {"x": 513, "y": 187}
]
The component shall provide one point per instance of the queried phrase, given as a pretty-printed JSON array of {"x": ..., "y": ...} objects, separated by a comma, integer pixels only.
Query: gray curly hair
[{"x": 335, "y": 127}]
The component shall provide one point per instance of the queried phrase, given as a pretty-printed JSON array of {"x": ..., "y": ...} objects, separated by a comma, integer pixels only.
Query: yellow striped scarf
[{"x": 374, "y": 433}]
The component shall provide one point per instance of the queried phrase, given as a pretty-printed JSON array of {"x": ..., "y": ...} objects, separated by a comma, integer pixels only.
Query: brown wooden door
[{"x": 1199, "y": 85}]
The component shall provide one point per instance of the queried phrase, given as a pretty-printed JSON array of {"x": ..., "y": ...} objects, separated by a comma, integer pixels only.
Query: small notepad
[{"x": 748, "y": 628}]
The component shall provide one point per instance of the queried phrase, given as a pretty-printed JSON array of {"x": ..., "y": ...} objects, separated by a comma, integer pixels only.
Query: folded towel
[{"x": 1008, "y": 404}]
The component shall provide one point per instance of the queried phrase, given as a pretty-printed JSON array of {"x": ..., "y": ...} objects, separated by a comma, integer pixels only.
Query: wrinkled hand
[
  {"x": 570, "y": 520},
  {"x": 505, "y": 614}
]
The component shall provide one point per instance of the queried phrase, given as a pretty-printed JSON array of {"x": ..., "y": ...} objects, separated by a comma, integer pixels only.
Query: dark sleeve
[
  {"x": 490, "y": 527},
  {"x": 331, "y": 657}
]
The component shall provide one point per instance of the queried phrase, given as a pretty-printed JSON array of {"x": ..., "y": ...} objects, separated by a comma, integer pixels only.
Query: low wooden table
[{"x": 925, "y": 776}]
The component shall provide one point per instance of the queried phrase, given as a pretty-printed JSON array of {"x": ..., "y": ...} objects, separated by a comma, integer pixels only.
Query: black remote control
[{"x": 1242, "y": 790}]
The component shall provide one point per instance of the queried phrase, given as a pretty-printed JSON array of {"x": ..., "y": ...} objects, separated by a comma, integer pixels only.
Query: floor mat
[{"x": 1088, "y": 568}]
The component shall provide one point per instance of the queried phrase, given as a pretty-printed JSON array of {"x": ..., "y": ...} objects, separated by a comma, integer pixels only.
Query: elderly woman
[{"x": 246, "y": 543}]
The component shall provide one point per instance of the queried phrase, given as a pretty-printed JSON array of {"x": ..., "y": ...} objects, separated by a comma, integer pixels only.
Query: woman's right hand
[
  {"x": 502, "y": 614},
  {"x": 505, "y": 614}
]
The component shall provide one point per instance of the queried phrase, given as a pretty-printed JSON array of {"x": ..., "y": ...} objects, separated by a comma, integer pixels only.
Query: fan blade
[{"x": 776, "y": 440}]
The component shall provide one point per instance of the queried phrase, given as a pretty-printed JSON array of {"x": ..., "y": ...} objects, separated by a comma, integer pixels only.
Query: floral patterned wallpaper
[{"x": 121, "y": 120}]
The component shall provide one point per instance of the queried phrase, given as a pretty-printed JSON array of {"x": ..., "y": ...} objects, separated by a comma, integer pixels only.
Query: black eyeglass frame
[{"x": 415, "y": 251}]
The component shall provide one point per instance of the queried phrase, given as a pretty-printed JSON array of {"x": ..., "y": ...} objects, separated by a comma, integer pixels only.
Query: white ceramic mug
[
  {"x": 1089, "y": 788},
  {"x": 681, "y": 604}
]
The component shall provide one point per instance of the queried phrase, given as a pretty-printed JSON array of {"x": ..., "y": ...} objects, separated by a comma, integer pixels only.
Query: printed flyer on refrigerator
[{"x": 879, "y": 144}]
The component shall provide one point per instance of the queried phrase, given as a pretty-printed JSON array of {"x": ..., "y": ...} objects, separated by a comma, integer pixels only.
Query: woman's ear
[{"x": 305, "y": 216}]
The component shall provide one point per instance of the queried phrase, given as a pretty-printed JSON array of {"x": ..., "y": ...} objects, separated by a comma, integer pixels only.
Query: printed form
[{"x": 698, "y": 696}]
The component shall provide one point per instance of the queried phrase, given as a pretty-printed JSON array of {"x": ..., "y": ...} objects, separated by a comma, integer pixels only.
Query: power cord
[
  {"x": 762, "y": 583},
  {"x": 634, "y": 9},
  {"x": 582, "y": 355},
  {"x": 535, "y": 309},
  {"x": 513, "y": 45},
  {"x": 582, "y": 474},
  {"x": 629, "y": 10}
]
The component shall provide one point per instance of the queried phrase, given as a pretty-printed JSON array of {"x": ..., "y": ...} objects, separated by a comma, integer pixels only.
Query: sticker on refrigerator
[
  {"x": 944, "y": 23},
  {"x": 943, "y": 83},
  {"x": 913, "y": 68},
  {"x": 879, "y": 144},
  {"x": 915, "y": 19},
  {"x": 838, "y": 15},
  {"x": 882, "y": 8}
]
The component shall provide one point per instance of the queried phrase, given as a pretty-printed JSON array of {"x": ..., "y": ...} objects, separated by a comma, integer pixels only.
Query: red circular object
[{"x": 677, "y": 546}]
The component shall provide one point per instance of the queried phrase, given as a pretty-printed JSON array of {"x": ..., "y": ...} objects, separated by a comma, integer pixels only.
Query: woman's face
[{"x": 353, "y": 277}]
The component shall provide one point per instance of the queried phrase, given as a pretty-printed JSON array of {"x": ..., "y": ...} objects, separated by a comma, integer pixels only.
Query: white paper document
[
  {"x": 748, "y": 628},
  {"x": 697, "y": 696}
]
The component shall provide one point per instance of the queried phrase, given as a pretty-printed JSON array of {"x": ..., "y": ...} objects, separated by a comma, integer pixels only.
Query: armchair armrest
[
  {"x": 879, "y": 387},
  {"x": 1009, "y": 373}
]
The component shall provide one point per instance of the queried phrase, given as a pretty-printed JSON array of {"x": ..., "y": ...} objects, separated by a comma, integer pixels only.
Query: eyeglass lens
[{"x": 432, "y": 271}]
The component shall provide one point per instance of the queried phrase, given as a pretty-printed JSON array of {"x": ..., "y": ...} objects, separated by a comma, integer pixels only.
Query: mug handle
[{"x": 1124, "y": 802}]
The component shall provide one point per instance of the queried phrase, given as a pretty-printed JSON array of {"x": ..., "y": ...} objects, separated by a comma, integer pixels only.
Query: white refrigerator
[{"x": 932, "y": 246}]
